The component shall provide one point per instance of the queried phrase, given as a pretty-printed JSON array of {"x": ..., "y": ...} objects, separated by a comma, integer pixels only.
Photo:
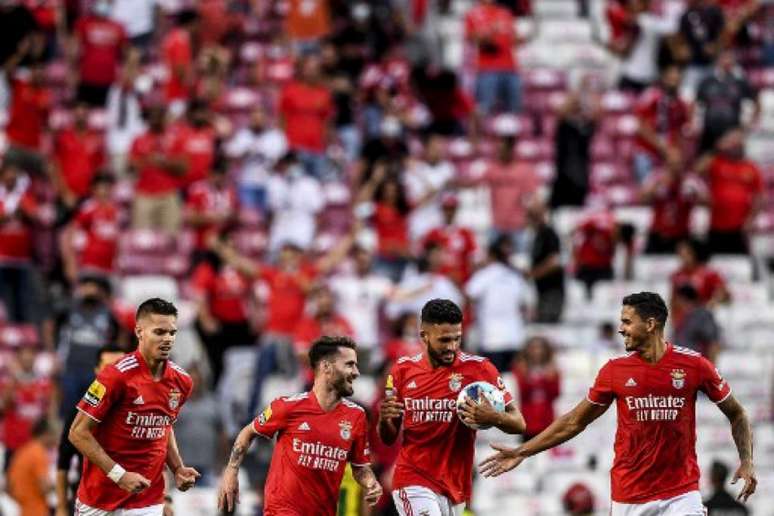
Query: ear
[{"x": 137, "y": 331}]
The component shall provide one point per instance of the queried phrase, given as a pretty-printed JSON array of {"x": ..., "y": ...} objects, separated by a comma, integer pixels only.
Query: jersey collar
[{"x": 146, "y": 368}]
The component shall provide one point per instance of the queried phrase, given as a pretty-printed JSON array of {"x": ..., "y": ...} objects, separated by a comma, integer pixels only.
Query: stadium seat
[
  {"x": 655, "y": 267},
  {"x": 136, "y": 289},
  {"x": 733, "y": 268},
  {"x": 14, "y": 336}
]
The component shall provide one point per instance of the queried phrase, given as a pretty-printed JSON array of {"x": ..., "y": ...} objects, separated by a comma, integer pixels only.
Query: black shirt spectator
[
  {"x": 16, "y": 25},
  {"x": 722, "y": 503},
  {"x": 697, "y": 329},
  {"x": 701, "y": 25},
  {"x": 546, "y": 267}
]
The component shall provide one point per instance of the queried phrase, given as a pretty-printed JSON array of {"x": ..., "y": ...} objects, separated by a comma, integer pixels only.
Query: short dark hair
[
  {"x": 107, "y": 348},
  {"x": 41, "y": 427},
  {"x": 688, "y": 292},
  {"x": 700, "y": 249},
  {"x": 441, "y": 311},
  {"x": 718, "y": 472},
  {"x": 155, "y": 305},
  {"x": 328, "y": 346},
  {"x": 647, "y": 305}
]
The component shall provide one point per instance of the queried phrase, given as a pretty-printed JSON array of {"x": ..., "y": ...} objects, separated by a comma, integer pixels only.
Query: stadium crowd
[{"x": 290, "y": 169}]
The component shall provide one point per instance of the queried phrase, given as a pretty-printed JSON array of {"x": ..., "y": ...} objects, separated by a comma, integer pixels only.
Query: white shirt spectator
[
  {"x": 259, "y": 150},
  {"x": 124, "y": 119},
  {"x": 421, "y": 179},
  {"x": 641, "y": 64},
  {"x": 498, "y": 293},
  {"x": 360, "y": 297},
  {"x": 137, "y": 16},
  {"x": 295, "y": 199}
]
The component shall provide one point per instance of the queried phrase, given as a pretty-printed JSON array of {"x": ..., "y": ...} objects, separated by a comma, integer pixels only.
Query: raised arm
[
  {"x": 228, "y": 495},
  {"x": 561, "y": 430},
  {"x": 82, "y": 436},
  {"x": 742, "y": 433}
]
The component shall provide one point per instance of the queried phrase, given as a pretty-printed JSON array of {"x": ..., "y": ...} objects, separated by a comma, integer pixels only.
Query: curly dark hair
[
  {"x": 155, "y": 305},
  {"x": 327, "y": 346},
  {"x": 647, "y": 305},
  {"x": 441, "y": 311}
]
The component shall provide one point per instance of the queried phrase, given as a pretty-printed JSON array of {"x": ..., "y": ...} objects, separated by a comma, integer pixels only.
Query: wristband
[{"x": 116, "y": 473}]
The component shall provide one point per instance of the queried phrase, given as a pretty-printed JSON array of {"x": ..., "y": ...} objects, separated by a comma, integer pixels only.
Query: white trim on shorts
[
  {"x": 418, "y": 500},
  {"x": 686, "y": 504},
  {"x": 81, "y": 509}
]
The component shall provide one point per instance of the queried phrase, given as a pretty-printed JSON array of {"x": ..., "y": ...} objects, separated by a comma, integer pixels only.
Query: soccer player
[
  {"x": 124, "y": 426},
  {"x": 318, "y": 432},
  {"x": 654, "y": 385},
  {"x": 433, "y": 472}
]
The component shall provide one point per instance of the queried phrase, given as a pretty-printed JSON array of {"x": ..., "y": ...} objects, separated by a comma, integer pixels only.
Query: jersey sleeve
[
  {"x": 711, "y": 382},
  {"x": 601, "y": 393},
  {"x": 360, "y": 454},
  {"x": 272, "y": 420},
  {"x": 492, "y": 375},
  {"x": 103, "y": 393}
]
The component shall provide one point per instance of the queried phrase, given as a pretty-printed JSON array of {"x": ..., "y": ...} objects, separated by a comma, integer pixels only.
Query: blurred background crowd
[{"x": 287, "y": 169}]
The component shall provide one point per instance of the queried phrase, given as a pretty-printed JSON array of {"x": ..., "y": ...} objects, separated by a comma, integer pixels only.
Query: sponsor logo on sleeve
[
  {"x": 264, "y": 417},
  {"x": 94, "y": 393}
]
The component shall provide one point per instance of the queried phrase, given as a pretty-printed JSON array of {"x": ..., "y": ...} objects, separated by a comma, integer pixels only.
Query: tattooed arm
[
  {"x": 742, "y": 433},
  {"x": 228, "y": 495}
]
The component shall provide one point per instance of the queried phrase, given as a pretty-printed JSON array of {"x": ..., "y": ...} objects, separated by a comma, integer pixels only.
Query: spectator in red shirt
[
  {"x": 28, "y": 118},
  {"x": 490, "y": 29},
  {"x": 594, "y": 241},
  {"x": 663, "y": 118},
  {"x": 306, "y": 109},
  {"x": 694, "y": 271},
  {"x": 178, "y": 55},
  {"x": 155, "y": 157},
  {"x": 223, "y": 296},
  {"x": 736, "y": 194},
  {"x": 539, "y": 385},
  {"x": 27, "y": 396},
  {"x": 671, "y": 195},
  {"x": 457, "y": 243},
  {"x": 197, "y": 142},
  {"x": 99, "y": 44},
  {"x": 98, "y": 219},
  {"x": 19, "y": 212},
  {"x": 324, "y": 320},
  {"x": 78, "y": 154}
]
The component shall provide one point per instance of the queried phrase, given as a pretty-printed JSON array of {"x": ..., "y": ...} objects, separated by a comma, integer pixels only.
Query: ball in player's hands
[{"x": 474, "y": 392}]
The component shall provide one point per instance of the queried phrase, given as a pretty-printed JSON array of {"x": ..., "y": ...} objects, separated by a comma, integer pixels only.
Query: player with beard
[
  {"x": 317, "y": 432},
  {"x": 655, "y": 385},
  {"x": 433, "y": 472}
]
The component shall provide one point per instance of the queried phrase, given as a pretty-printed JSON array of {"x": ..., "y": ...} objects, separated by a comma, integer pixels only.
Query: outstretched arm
[
  {"x": 561, "y": 430},
  {"x": 742, "y": 433},
  {"x": 228, "y": 496},
  {"x": 364, "y": 476}
]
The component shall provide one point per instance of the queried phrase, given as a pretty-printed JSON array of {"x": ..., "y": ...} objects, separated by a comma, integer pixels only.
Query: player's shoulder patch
[
  {"x": 351, "y": 404},
  {"x": 95, "y": 393},
  {"x": 686, "y": 351},
  {"x": 295, "y": 397},
  {"x": 413, "y": 358},
  {"x": 177, "y": 368},
  {"x": 127, "y": 363},
  {"x": 465, "y": 357}
]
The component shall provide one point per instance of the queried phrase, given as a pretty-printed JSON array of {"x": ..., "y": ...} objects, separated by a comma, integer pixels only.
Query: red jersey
[
  {"x": 734, "y": 185},
  {"x": 287, "y": 297},
  {"x": 704, "y": 279},
  {"x": 313, "y": 448},
  {"x": 136, "y": 414},
  {"x": 177, "y": 52},
  {"x": 594, "y": 241},
  {"x": 391, "y": 230},
  {"x": 671, "y": 206},
  {"x": 204, "y": 197},
  {"x": 493, "y": 23},
  {"x": 102, "y": 42},
  {"x": 197, "y": 145},
  {"x": 78, "y": 156},
  {"x": 537, "y": 392},
  {"x": 17, "y": 206},
  {"x": 153, "y": 180},
  {"x": 30, "y": 400},
  {"x": 28, "y": 114},
  {"x": 459, "y": 246},
  {"x": 667, "y": 115},
  {"x": 100, "y": 222},
  {"x": 226, "y": 292},
  {"x": 655, "y": 444},
  {"x": 438, "y": 448},
  {"x": 307, "y": 110}
]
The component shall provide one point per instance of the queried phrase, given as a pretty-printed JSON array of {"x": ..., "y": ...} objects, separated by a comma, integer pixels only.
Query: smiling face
[
  {"x": 634, "y": 329},
  {"x": 156, "y": 334},
  {"x": 442, "y": 342},
  {"x": 341, "y": 371}
]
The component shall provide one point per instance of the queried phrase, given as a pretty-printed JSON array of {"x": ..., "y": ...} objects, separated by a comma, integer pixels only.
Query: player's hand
[
  {"x": 228, "y": 494},
  {"x": 185, "y": 477},
  {"x": 133, "y": 482},
  {"x": 504, "y": 460},
  {"x": 168, "y": 510},
  {"x": 372, "y": 493},
  {"x": 481, "y": 413},
  {"x": 390, "y": 409},
  {"x": 746, "y": 472}
]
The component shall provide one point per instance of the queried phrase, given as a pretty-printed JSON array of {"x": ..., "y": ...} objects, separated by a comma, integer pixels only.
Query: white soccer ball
[{"x": 472, "y": 392}]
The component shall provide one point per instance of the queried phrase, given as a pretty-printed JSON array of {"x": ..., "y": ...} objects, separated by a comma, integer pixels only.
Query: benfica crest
[
  {"x": 174, "y": 399},
  {"x": 678, "y": 378},
  {"x": 455, "y": 382},
  {"x": 345, "y": 429}
]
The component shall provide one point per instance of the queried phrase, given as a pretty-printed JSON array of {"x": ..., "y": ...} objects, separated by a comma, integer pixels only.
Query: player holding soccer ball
[
  {"x": 318, "y": 432},
  {"x": 433, "y": 471},
  {"x": 124, "y": 425},
  {"x": 655, "y": 387}
]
